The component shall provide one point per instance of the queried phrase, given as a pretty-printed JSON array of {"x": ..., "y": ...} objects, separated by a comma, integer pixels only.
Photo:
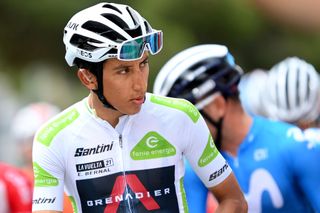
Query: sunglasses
[{"x": 133, "y": 49}]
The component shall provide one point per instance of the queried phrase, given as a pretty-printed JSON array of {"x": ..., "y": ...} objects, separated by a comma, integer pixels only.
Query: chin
[{"x": 132, "y": 111}]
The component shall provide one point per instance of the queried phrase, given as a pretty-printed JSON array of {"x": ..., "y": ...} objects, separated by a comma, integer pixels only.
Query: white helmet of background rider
[
  {"x": 94, "y": 34},
  {"x": 293, "y": 91},
  {"x": 29, "y": 119},
  {"x": 198, "y": 73},
  {"x": 251, "y": 87}
]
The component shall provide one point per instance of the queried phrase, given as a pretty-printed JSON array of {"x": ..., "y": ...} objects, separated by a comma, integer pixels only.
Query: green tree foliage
[{"x": 32, "y": 31}]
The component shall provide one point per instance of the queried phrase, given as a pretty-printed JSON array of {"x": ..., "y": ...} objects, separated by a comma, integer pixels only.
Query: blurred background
[{"x": 32, "y": 67}]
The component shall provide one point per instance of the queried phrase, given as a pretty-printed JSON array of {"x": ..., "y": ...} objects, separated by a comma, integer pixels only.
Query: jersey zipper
[
  {"x": 120, "y": 141},
  {"x": 128, "y": 202}
]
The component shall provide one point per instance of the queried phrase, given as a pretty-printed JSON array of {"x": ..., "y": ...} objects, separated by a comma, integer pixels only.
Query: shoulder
[
  {"x": 167, "y": 106},
  {"x": 282, "y": 131},
  {"x": 59, "y": 123}
]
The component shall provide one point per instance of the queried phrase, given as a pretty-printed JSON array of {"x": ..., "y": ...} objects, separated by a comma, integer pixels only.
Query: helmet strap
[
  {"x": 217, "y": 125},
  {"x": 99, "y": 91}
]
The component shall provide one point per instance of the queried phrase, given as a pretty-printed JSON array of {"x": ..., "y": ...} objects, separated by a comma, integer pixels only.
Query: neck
[
  {"x": 236, "y": 126},
  {"x": 107, "y": 114}
]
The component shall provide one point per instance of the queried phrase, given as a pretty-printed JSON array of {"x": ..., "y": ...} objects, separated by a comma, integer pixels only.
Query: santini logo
[
  {"x": 92, "y": 151},
  {"x": 42, "y": 200},
  {"x": 219, "y": 172}
]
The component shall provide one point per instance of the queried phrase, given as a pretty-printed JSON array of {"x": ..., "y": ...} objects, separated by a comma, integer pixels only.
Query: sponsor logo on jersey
[
  {"x": 180, "y": 104},
  {"x": 209, "y": 153},
  {"x": 262, "y": 192},
  {"x": 94, "y": 168},
  {"x": 139, "y": 191},
  {"x": 218, "y": 172},
  {"x": 42, "y": 177},
  {"x": 43, "y": 200},
  {"x": 92, "y": 151},
  {"x": 152, "y": 146}
]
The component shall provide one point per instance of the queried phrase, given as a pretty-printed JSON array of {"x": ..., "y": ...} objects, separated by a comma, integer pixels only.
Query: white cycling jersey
[{"x": 135, "y": 167}]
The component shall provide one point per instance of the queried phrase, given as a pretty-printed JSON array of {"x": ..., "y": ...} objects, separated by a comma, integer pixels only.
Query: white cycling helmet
[
  {"x": 29, "y": 119},
  {"x": 94, "y": 33},
  {"x": 292, "y": 91},
  {"x": 251, "y": 88},
  {"x": 197, "y": 73}
]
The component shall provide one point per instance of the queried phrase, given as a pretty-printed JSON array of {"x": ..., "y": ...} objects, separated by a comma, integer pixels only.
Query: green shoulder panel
[
  {"x": 42, "y": 178},
  {"x": 209, "y": 153},
  {"x": 180, "y": 104},
  {"x": 47, "y": 133}
]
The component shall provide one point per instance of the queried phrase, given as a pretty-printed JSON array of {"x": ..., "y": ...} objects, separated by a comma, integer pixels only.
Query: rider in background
[
  {"x": 15, "y": 190},
  {"x": 274, "y": 166},
  {"x": 25, "y": 123},
  {"x": 289, "y": 92}
]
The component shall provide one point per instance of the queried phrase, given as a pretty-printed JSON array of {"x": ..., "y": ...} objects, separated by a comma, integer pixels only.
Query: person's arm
[
  {"x": 229, "y": 196},
  {"x": 49, "y": 174}
]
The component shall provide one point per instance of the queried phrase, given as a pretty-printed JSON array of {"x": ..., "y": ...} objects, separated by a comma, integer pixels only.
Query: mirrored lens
[
  {"x": 154, "y": 42},
  {"x": 133, "y": 49}
]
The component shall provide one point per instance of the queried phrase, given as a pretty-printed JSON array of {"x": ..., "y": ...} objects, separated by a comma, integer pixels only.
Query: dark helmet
[{"x": 197, "y": 73}]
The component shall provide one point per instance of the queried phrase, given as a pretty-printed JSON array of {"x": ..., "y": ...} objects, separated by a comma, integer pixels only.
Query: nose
[{"x": 139, "y": 81}]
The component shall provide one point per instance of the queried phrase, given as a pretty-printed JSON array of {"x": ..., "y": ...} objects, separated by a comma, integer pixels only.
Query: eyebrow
[{"x": 121, "y": 66}]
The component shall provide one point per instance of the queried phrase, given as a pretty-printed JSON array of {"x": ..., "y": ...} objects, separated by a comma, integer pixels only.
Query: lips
[{"x": 139, "y": 100}]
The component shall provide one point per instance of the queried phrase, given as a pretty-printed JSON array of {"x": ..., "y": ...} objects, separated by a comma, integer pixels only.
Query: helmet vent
[
  {"x": 148, "y": 27},
  {"x": 103, "y": 30},
  {"x": 287, "y": 90},
  {"x": 132, "y": 16},
  {"x": 298, "y": 88},
  {"x": 116, "y": 20},
  {"x": 109, "y": 6},
  {"x": 82, "y": 42}
]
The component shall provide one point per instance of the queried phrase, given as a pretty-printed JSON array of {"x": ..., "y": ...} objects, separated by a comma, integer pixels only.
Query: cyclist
[
  {"x": 15, "y": 190},
  {"x": 289, "y": 92},
  {"x": 275, "y": 169},
  {"x": 25, "y": 123},
  {"x": 24, "y": 126},
  {"x": 120, "y": 149}
]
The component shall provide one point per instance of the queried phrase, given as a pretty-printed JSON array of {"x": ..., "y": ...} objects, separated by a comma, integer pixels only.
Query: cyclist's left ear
[{"x": 87, "y": 79}]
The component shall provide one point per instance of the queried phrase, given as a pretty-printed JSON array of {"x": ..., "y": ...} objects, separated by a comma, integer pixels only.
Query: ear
[
  {"x": 217, "y": 108},
  {"x": 88, "y": 79}
]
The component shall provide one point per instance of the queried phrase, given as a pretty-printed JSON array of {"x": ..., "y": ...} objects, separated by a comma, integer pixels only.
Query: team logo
[
  {"x": 151, "y": 146},
  {"x": 134, "y": 191}
]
